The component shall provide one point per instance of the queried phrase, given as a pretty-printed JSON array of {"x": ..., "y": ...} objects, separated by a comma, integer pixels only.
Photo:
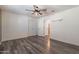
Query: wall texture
[
  {"x": 16, "y": 26},
  {"x": 66, "y": 30}
]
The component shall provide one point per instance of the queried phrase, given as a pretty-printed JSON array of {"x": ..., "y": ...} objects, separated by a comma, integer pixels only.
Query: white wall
[
  {"x": 15, "y": 26},
  {"x": 66, "y": 30}
]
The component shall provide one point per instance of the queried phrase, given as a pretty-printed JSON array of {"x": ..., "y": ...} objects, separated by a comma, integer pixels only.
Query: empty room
[{"x": 39, "y": 29}]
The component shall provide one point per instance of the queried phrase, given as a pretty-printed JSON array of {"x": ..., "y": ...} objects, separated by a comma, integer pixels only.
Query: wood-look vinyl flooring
[{"x": 36, "y": 45}]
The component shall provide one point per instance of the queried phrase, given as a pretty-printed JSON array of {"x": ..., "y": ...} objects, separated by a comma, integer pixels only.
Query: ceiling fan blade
[
  {"x": 43, "y": 10},
  {"x": 28, "y": 10},
  {"x": 40, "y": 13}
]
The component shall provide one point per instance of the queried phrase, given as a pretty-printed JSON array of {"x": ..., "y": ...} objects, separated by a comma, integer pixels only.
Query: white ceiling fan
[{"x": 38, "y": 11}]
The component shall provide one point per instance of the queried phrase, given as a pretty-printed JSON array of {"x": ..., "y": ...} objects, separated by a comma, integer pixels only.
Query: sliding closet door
[{"x": 32, "y": 26}]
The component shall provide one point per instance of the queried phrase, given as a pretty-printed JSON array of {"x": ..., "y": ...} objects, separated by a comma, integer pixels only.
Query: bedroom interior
[{"x": 39, "y": 29}]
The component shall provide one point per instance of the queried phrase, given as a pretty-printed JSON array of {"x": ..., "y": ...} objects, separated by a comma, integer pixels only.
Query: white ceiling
[{"x": 21, "y": 8}]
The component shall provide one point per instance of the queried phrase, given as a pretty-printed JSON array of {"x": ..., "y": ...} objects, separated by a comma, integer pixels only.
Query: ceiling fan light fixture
[{"x": 36, "y": 11}]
